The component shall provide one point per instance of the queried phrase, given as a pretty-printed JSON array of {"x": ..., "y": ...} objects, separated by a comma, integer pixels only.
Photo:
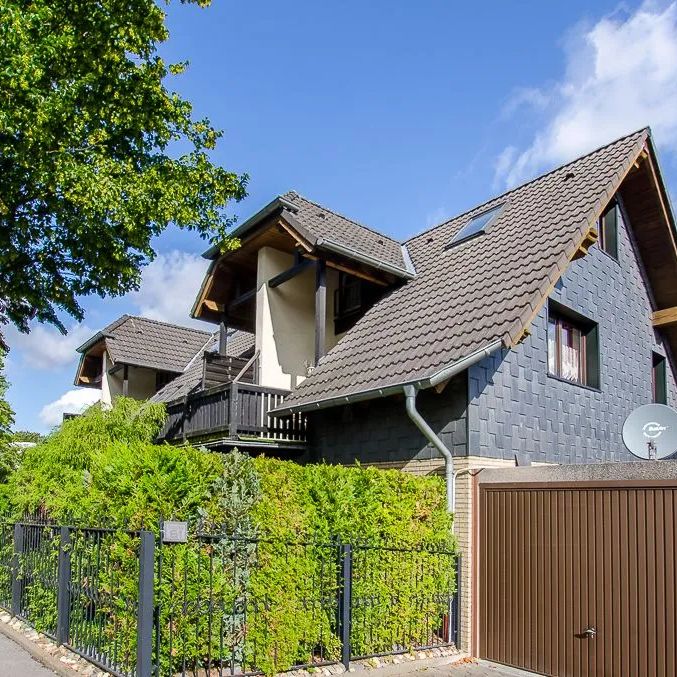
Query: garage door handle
[{"x": 590, "y": 632}]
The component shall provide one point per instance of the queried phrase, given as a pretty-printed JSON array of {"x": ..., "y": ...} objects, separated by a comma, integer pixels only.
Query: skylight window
[{"x": 477, "y": 225}]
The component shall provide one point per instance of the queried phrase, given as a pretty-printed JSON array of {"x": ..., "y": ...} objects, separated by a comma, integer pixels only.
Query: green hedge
[{"x": 102, "y": 469}]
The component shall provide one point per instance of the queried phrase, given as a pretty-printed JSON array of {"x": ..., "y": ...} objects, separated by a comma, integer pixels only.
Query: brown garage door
[{"x": 555, "y": 562}]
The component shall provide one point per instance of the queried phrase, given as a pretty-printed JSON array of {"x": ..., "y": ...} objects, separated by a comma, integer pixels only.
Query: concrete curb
[
  {"x": 384, "y": 667},
  {"x": 409, "y": 666},
  {"x": 35, "y": 652}
]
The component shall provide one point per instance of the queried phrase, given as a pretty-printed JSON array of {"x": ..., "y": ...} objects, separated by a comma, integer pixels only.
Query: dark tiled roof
[
  {"x": 148, "y": 343},
  {"x": 327, "y": 226},
  {"x": 469, "y": 296},
  {"x": 239, "y": 343}
]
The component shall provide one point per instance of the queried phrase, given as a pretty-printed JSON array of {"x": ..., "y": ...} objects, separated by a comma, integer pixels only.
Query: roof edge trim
[
  {"x": 91, "y": 342},
  {"x": 278, "y": 203},
  {"x": 364, "y": 258},
  {"x": 435, "y": 379},
  {"x": 407, "y": 261}
]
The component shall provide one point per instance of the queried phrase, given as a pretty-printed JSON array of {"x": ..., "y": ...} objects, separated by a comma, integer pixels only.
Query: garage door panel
[{"x": 554, "y": 562}]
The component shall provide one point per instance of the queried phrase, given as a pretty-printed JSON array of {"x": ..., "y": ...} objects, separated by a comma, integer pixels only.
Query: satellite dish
[{"x": 650, "y": 431}]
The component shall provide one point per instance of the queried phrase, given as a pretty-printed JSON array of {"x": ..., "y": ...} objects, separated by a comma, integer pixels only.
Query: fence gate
[{"x": 578, "y": 580}]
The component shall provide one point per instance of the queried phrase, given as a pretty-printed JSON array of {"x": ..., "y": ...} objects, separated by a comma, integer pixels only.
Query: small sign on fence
[{"x": 174, "y": 532}]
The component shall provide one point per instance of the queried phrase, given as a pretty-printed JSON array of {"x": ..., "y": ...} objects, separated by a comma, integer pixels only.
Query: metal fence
[{"x": 223, "y": 604}]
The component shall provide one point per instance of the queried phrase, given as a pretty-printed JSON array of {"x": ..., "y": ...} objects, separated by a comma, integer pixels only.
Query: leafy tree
[
  {"x": 26, "y": 436},
  {"x": 6, "y": 413},
  {"x": 97, "y": 155},
  {"x": 9, "y": 455}
]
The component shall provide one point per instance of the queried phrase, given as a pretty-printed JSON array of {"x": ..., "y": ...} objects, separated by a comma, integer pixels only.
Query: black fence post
[
  {"x": 456, "y": 604},
  {"x": 144, "y": 627},
  {"x": 16, "y": 568},
  {"x": 345, "y": 607},
  {"x": 63, "y": 603}
]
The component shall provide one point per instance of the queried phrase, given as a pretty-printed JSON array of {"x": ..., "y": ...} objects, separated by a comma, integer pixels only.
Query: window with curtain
[{"x": 572, "y": 349}]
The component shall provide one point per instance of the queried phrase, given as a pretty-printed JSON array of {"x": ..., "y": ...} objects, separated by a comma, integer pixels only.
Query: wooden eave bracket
[
  {"x": 584, "y": 247},
  {"x": 641, "y": 157},
  {"x": 522, "y": 336},
  {"x": 213, "y": 306},
  {"x": 665, "y": 317}
]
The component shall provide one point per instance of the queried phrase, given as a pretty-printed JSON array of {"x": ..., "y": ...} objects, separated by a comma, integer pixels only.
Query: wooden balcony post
[
  {"x": 233, "y": 410},
  {"x": 320, "y": 308},
  {"x": 223, "y": 335}
]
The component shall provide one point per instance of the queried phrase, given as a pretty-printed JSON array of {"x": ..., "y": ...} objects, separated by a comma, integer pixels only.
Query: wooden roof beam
[
  {"x": 351, "y": 271},
  {"x": 665, "y": 317},
  {"x": 584, "y": 247}
]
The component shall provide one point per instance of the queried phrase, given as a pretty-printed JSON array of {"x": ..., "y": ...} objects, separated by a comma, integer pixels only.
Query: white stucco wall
[
  {"x": 109, "y": 388},
  {"x": 141, "y": 382},
  {"x": 285, "y": 320}
]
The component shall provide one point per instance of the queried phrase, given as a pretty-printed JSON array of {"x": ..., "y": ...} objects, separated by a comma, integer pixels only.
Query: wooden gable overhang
[
  {"x": 90, "y": 367},
  {"x": 646, "y": 202},
  {"x": 229, "y": 287}
]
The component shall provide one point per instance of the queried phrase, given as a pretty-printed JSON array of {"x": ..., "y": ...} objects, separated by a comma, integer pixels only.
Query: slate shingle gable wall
[
  {"x": 516, "y": 406},
  {"x": 508, "y": 403},
  {"x": 379, "y": 431}
]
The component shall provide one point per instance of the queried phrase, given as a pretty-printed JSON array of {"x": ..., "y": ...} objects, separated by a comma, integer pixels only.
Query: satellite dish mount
[{"x": 650, "y": 432}]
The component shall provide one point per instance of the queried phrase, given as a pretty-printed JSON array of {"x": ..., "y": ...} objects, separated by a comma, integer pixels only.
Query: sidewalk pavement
[
  {"x": 452, "y": 669},
  {"x": 17, "y": 662}
]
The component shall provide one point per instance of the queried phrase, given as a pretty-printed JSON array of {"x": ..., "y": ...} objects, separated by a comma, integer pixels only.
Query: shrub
[{"x": 103, "y": 469}]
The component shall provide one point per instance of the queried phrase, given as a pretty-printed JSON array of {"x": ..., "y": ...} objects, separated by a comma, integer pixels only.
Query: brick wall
[
  {"x": 516, "y": 407},
  {"x": 463, "y": 530}
]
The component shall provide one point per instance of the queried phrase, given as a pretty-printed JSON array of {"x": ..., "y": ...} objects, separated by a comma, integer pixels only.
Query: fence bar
[
  {"x": 345, "y": 611},
  {"x": 63, "y": 603},
  {"x": 456, "y": 603},
  {"x": 144, "y": 628},
  {"x": 16, "y": 568}
]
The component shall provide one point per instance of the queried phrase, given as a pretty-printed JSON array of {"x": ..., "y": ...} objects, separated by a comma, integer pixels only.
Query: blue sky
[{"x": 398, "y": 114}]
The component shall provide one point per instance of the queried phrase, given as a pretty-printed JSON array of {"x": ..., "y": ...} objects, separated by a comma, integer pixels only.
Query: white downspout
[{"x": 410, "y": 396}]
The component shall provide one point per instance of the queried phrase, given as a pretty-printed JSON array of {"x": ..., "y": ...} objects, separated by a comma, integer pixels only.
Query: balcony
[{"x": 234, "y": 414}]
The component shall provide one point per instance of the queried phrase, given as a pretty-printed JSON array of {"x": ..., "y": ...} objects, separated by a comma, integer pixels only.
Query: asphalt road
[{"x": 16, "y": 662}]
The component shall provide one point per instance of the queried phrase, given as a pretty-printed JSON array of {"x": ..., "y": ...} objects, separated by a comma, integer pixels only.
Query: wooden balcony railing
[
  {"x": 221, "y": 369},
  {"x": 235, "y": 411}
]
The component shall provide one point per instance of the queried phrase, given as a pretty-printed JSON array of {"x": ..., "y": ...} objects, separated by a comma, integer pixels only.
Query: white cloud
[
  {"x": 71, "y": 402},
  {"x": 436, "y": 217},
  {"x": 46, "y": 347},
  {"x": 169, "y": 286},
  {"x": 621, "y": 75}
]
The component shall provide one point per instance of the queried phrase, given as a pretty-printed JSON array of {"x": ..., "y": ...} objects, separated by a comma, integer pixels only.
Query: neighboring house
[
  {"x": 136, "y": 357},
  {"x": 531, "y": 325}
]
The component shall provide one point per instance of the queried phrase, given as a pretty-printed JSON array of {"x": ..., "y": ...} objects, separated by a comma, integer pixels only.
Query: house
[
  {"x": 530, "y": 325},
  {"x": 524, "y": 330},
  {"x": 136, "y": 356}
]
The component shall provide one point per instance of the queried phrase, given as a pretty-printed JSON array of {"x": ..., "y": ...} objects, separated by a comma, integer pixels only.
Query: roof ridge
[
  {"x": 342, "y": 216},
  {"x": 165, "y": 324},
  {"x": 529, "y": 182}
]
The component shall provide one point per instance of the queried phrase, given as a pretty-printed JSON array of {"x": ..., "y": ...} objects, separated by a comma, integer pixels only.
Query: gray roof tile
[
  {"x": 324, "y": 224},
  {"x": 468, "y": 296},
  {"x": 142, "y": 342},
  {"x": 239, "y": 343}
]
